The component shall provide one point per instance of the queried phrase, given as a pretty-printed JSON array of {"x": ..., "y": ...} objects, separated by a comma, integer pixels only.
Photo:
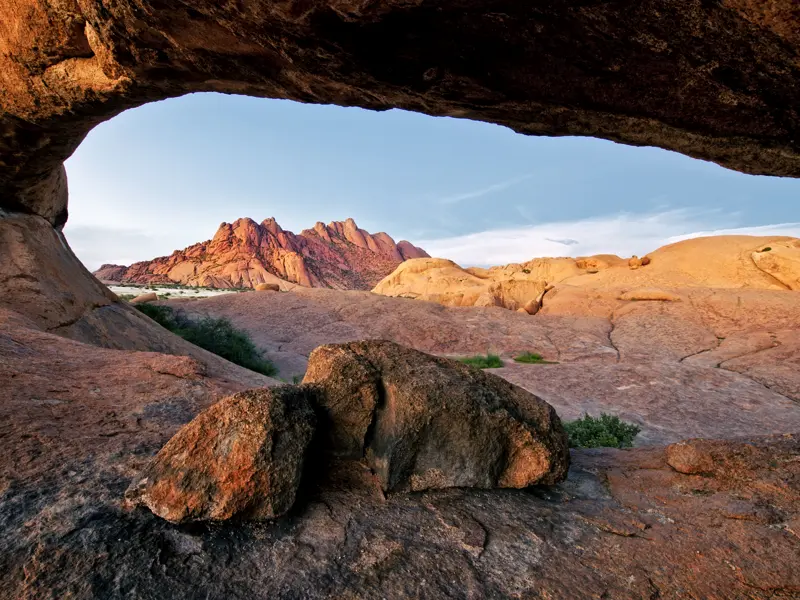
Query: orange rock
[
  {"x": 148, "y": 297},
  {"x": 267, "y": 287},
  {"x": 242, "y": 457},
  {"x": 689, "y": 458},
  {"x": 426, "y": 422},
  {"x": 245, "y": 253},
  {"x": 532, "y": 307}
]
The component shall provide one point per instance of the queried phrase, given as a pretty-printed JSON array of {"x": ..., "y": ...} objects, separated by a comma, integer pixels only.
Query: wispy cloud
[
  {"x": 485, "y": 191},
  {"x": 624, "y": 234}
]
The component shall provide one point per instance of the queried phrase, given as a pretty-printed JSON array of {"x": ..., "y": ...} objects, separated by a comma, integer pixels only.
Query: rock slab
[
  {"x": 424, "y": 422},
  {"x": 242, "y": 457}
]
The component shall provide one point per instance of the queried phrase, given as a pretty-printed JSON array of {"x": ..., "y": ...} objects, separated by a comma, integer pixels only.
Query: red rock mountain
[{"x": 245, "y": 253}]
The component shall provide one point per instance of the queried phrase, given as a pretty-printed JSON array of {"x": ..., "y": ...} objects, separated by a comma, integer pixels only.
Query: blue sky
[{"x": 165, "y": 175}]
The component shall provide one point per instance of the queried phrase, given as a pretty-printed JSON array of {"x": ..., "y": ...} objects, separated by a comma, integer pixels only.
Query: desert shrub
[
  {"x": 767, "y": 249},
  {"x": 531, "y": 358},
  {"x": 163, "y": 315},
  {"x": 126, "y": 297},
  {"x": 490, "y": 361},
  {"x": 215, "y": 335},
  {"x": 607, "y": 431}
]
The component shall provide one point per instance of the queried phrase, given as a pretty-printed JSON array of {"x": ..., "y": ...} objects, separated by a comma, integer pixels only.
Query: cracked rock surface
[{"x": 422, "y": 422}]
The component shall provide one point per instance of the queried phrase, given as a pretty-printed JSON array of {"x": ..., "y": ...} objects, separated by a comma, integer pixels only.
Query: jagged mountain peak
[{"x": 245, "y": 253}]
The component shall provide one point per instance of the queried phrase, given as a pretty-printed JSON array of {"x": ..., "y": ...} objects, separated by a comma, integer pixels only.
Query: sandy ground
[{"x": 174, "y": 292}]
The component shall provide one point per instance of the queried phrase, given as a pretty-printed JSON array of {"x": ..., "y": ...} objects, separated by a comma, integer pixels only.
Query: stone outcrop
[
  {"x": 79, "y": 422},
  {"x": 694, "y": 368},
  {"x": 142, "y": 298},
  {"x": 423, "y": 422},
  {"x": 109, "y": 272},
  {"x": 714, "y": 80},
  {"x": 247, "y": 254},
  {"x": 711, "y": 262},
  {"x": 242, "y": 457},
  {"x": 781, "y": 260},
  {"x": 267, "y": 287}
]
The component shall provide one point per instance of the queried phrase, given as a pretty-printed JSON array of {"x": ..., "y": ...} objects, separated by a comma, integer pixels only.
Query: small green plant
[
  {"x": 526, "y": 271},
  {"x": 490, "y": 361},
  {"x": 767, "y": 249},
  {"x": 531, "y": 358},
  {"x": 215, "y": 335},
  {"x": 607, "y": 431},
  {"x": 126, "y": 297}
]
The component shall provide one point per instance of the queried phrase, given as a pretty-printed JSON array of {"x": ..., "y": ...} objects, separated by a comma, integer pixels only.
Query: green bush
[
  {"x": 163, "y": 315},
  {"x": 606, "y": 431},
  {"x": 490, "y": 361},
  {"x": 215, "y": 335},
  {"x": 531, "y": 358}
]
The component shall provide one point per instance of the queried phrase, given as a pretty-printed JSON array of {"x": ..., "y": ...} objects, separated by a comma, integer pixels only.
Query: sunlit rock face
[
  {"x": 715, "y": 80},
  {"x": 244, "y": 253}
]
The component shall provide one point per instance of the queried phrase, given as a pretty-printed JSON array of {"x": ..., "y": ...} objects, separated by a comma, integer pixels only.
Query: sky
[{"x": 165, "y": 175}]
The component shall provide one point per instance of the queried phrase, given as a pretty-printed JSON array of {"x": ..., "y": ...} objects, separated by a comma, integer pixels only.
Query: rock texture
[
  {"x": 79, "y": 422},
  {"x": 144, "y": 298},
  {"x": 719, "y": 363},
  {"x": 243, "y": 457},
  {"x": 424, "y": 422},
  {"x": 248, "y": 254},
  {"x": 715, "y": 80},
  {"x": 513, "y": 286},
  {"x": 711, "y": 262}
]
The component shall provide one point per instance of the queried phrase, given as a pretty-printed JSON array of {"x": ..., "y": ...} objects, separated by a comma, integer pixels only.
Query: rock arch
[{"x": 713, "y": 79}]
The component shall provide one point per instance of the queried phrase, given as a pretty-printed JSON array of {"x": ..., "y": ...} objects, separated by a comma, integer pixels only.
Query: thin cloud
[
  {"x": 491, "y": 189},
  {"x": 624, "y": 234},
  {"x": 565, "y": 242},
  {"x": 96, "y": 245}
]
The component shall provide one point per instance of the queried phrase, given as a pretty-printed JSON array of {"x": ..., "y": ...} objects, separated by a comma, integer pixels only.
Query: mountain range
[{"x": 244, "y": 253}]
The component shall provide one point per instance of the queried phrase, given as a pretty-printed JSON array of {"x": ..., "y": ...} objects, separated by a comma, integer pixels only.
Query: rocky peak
[
  {"x": 272, "y": 226},
  {"x": 246, "y": 253}
]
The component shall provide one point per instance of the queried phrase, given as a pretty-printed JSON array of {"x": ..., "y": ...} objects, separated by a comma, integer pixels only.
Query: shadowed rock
[
  {"x": 426, "y": 422},
  {"x": 242, "y": 457},
  {"x": 715, "y": 80}
]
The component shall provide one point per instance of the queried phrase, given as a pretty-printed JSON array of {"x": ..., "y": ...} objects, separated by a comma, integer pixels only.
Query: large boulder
[
  {"x": 145, "y": 298},
  {"x": 424, "y": 422},
  {"x": 242, "y": 457},
  {"x": 268, "y": 287}
]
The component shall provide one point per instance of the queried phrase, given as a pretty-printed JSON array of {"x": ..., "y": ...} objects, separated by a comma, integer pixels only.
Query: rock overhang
[{"x": 713, "y": 80}]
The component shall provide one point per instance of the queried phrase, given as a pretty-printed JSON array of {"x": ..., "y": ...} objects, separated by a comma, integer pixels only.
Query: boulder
[
  {"x": 268, "y": 287},
  {"x": 645, "y": 261},
  {"x": 532, "y": 307},
  {"x": 690, "y": 457},
  {"x": 781, "y": 260},
  {"x": 242, "y": 457},
  {"x": 424, "y": 422},
  {"x": 148, "y": 297}
]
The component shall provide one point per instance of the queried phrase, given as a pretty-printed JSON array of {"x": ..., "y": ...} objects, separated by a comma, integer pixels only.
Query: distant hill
[{"x": 245, "y": 253}]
